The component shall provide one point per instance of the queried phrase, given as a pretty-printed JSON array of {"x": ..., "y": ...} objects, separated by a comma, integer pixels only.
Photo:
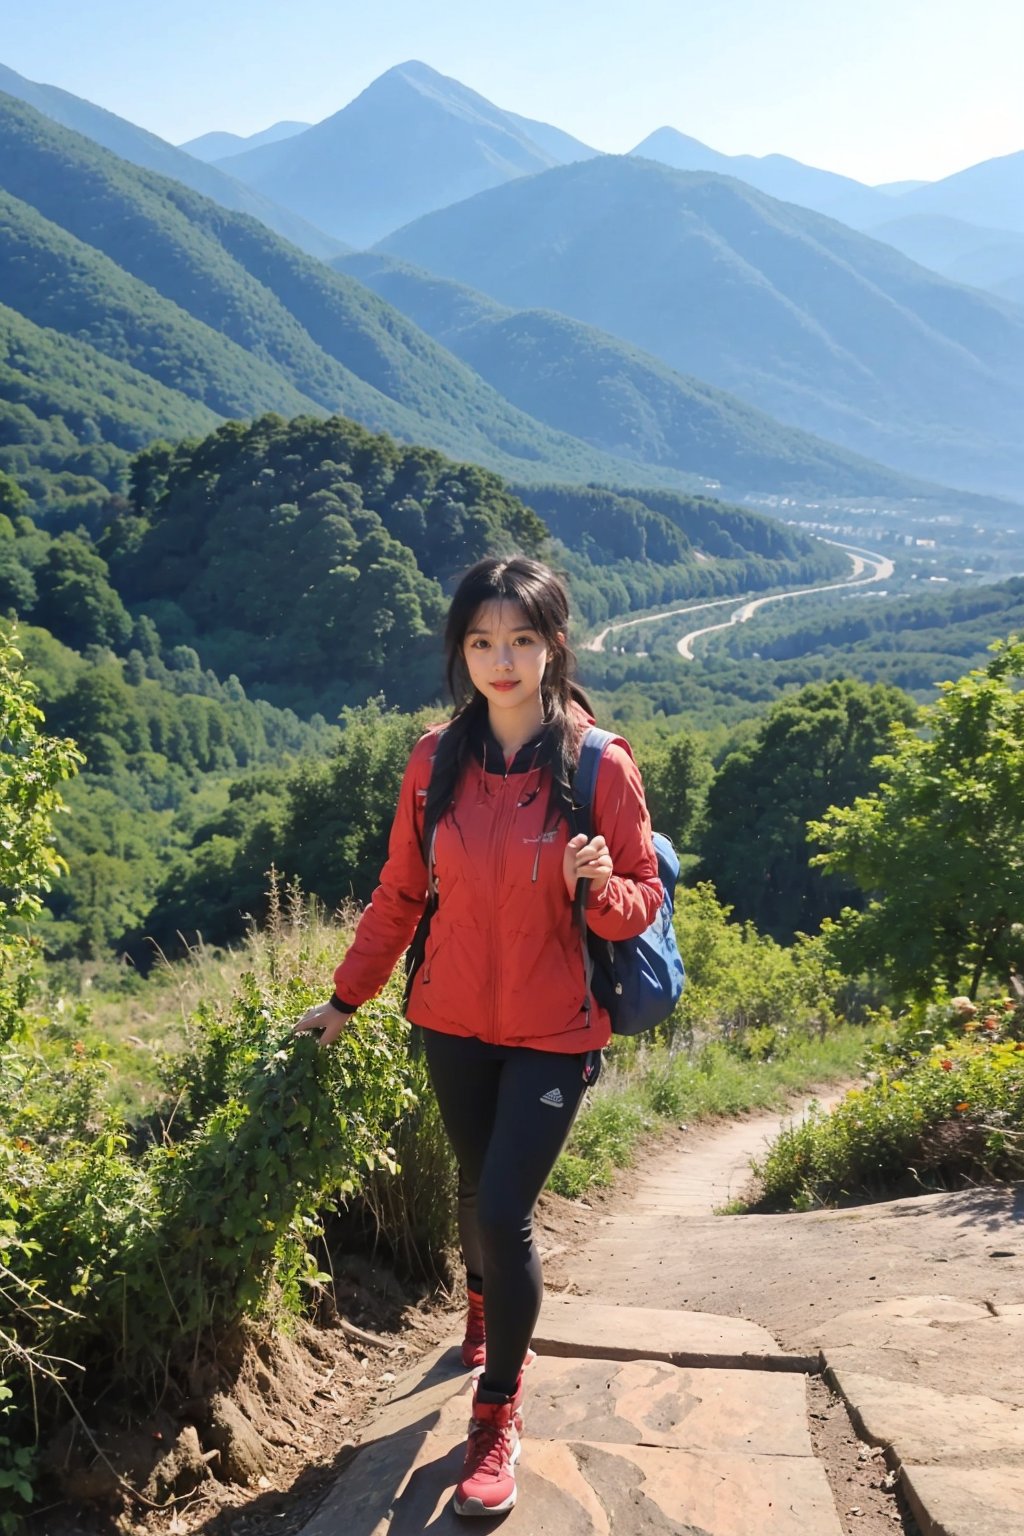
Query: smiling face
[{"x": 505, "y": 657}]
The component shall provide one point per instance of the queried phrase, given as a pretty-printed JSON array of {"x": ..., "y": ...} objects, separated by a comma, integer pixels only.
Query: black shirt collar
[{"x": 490, "y": 753}]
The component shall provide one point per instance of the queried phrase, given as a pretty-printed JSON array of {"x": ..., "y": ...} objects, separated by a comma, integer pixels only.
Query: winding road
[{"x": 878, "y": 567}]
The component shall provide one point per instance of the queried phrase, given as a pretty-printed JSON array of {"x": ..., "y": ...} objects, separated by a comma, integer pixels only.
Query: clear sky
[{"x": 882, "y": 90}]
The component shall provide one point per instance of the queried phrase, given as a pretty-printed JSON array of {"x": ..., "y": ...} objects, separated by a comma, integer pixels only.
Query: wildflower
[
  {"x": 962, "y": 1107},
  {"x": 946, "y": 1065}
]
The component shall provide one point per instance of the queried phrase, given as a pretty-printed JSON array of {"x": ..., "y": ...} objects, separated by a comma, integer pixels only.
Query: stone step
[
  {"x": 617, "y": 1446},
  {"x": 571, "y": 1325}
]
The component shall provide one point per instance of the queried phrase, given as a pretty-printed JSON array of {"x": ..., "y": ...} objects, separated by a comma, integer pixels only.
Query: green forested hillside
[
  {"x": 798, "y": 315},
  {"x": 58, "y": 281},
  {"x": 309, "y": 557},
  {"x": 71, "y": 417},
  {"x": 165, "y": 744},
  {"x": 213, "y": 304},
  {"x": 145, "y": 149},
  {"x": 590, "y": 383}
]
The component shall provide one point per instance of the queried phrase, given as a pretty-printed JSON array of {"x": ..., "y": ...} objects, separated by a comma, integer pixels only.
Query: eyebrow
[{"x": 518, "y": 629}]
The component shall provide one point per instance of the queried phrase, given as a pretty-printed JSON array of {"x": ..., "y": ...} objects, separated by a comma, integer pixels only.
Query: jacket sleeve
[
  {"x": 630, "y": 900},
  {"x": 387, "y": 924}
]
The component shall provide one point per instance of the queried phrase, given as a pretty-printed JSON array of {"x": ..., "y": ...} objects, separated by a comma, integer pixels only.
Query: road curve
[
  {"x": 879, "y": 566},
  {"x": 860, "y": 559}
]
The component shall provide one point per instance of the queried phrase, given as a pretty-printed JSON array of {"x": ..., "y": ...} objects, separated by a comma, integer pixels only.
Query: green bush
[{"x": 942, "y": 1110}]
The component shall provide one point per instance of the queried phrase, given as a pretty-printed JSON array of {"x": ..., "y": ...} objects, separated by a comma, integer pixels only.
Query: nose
[{"x": 503, "y": 658}]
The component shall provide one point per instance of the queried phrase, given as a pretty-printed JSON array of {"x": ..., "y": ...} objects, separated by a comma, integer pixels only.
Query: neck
[{"x": 512, "y": 728}]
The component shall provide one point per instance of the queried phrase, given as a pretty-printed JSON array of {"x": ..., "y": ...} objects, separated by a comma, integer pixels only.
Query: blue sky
[{"x": 877, "y": 89}]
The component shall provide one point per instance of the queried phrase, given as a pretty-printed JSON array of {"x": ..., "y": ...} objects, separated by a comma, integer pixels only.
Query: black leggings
[{"x": 508, "y": 1113}]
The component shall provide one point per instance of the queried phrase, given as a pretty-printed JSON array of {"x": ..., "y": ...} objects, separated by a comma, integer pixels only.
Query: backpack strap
[{"x": 584, "y": 785}]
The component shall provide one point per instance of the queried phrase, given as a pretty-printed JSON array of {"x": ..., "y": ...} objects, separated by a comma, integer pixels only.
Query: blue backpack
[{"x": 638, "y": 980}]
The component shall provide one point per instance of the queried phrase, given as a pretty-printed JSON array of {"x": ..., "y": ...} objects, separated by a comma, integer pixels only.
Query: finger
[
  {"x": 577, "y": 842},
  {"x": 332, "y": 1031},
  {"x": 313, "y": 1018}
]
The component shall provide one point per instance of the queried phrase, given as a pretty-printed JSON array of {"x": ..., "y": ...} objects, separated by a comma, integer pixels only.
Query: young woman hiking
[{"x": 512, "y": 1040}]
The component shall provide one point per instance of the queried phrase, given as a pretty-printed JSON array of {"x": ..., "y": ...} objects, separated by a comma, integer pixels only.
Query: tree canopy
[
  {"x": 812, "y": 750},
  {"x": 938, "y": 843}
]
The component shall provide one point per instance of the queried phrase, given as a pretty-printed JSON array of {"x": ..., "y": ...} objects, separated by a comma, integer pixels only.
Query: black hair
[{"x": 541, "y": 594}]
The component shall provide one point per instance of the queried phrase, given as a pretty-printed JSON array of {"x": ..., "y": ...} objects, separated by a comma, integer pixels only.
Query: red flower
[{"x": 947, "y": 1065}]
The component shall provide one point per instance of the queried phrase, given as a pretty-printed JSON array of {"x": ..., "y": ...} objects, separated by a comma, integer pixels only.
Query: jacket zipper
[{"x": 499, "y": 859}]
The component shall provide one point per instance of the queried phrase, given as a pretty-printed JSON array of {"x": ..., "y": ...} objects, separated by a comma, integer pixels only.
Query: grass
[{"x": 646, "y": 1087}]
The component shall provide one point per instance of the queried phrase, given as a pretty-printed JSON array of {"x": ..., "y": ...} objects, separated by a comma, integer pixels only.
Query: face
[{"x": 505, "y": 657}]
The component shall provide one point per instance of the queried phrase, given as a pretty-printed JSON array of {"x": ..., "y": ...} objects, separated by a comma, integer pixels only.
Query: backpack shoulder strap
[{"x": 584, "y": 781}]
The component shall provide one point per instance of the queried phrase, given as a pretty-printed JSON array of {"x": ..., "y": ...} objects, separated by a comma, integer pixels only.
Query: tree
[
  {"x": 32, "y": 767},
  {"x": 812, "y": 750},
  {"x": 676, "y": 777},
  {"x": 938, "y": 845}
]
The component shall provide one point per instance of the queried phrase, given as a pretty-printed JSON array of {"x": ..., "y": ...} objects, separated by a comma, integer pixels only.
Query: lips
[{"x": 506, "y": 687}]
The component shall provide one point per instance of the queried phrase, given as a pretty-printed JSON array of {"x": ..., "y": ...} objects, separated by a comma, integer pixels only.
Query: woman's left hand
[{"x": 586, "y": 861}]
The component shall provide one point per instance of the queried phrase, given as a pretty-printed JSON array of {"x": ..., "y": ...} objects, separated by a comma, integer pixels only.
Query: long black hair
[{"x": 541, "y": 595}]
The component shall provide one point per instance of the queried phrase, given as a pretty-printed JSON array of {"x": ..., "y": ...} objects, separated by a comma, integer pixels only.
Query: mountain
[
  {"x": 589, "y": 383},
  {"x": 798, "y": 315},
  {"x": 413, "y": 141},
  {"x": 965, "y": 253},
  {"x": 216, "y": 306},
  {"x": 990, "y": 194},
  {"x": 897, "y": 188},
  {"x": 561, "y": 146},
  {"x": 215, "y": 146},
  {"x": 839, "y": 197},
  {"x": 155, "y": 154}
]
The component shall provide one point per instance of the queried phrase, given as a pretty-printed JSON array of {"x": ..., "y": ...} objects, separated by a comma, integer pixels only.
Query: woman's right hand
[{"x": 324, "y": 1020}]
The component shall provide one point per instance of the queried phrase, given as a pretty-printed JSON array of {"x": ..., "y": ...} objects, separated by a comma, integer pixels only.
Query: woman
[{"x": 511, "y": 1034}]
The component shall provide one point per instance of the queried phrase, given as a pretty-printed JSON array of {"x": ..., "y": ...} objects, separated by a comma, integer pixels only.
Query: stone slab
[
  {"x": 621, "y": 1402},
  {"x": 588, "y": 1329},
  {"x": 403, "y": 1486},
  {"x": 937, "y": 1340},
  {"x": 928, "y": 1427},
  {"x": 965, "y": 1501},
  {"x": 648, "y": 1402}
]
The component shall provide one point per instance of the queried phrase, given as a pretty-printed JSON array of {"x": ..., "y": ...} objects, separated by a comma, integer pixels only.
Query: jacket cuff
[
  {"x": 342, "y": 1007},
  {"x": 600, "y": 900}
]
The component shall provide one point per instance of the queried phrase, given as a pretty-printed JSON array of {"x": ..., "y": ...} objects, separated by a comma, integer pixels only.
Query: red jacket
[{"x": 503, "y": 959}]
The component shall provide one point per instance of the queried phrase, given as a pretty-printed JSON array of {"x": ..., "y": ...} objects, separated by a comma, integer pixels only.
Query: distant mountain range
[
  {"x": 415, "y": 141},
  {"x": 965, "y": 253},
  {"x": 217, "y": 146},
  {"x": 694, "y": 311},
  {"x": 411, "y": 142},
  {"x": 839, "y": 197},
  {"x": 589, "y": 383},
  {"x": 155, "y": 154},
  {"x": 800, "y": 316},
  {"x": 214, "y": 306}
]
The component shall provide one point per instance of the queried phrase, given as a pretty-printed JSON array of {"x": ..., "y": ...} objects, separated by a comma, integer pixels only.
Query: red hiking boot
[
  {"x": 474, "y": 1344},
  {"x": 488, "y": 1482}
]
